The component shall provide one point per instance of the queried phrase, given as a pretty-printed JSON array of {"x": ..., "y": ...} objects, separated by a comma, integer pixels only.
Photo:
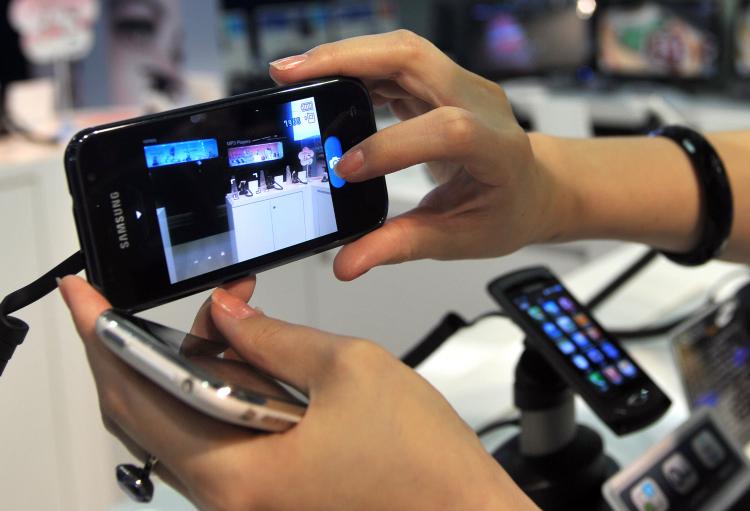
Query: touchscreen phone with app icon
[
  {"x": 590, "y": 359},
  {"x": 698, "y": 467}
]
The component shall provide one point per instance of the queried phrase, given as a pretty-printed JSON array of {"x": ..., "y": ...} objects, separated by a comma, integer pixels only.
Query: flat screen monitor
[
  {"x": 676, "y": 39},
  {"x": 266, "y": 30},
  {"x": 256, "y": 32},
  {"x": 524, "y": 37},
  {"x": 742, "y": 40}
]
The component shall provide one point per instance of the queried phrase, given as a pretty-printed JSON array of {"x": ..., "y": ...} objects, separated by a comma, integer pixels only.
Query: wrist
[
  {"x": 557, "y": 200},
  {"x": 636, "y": 189}
]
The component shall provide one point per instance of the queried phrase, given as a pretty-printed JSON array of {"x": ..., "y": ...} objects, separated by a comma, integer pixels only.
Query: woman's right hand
[{"x": 493, "y": 197}]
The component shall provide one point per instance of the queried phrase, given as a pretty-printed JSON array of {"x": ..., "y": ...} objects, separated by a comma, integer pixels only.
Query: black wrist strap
[
  {"x": 716, "y": 195},
  {"x": 13, "y": 330}
]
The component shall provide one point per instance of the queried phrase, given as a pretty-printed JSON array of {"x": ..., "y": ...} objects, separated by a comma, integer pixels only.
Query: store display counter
[{"x": 274, "y": 219}]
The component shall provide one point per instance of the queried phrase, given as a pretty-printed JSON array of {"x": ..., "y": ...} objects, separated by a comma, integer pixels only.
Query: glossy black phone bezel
[
  {"x": 136, "y": 278},
  {"x": 611, "y": 406}
]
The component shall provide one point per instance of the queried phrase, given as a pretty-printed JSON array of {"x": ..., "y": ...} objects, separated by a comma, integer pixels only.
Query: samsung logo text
[{"x": 120, "y": 226}]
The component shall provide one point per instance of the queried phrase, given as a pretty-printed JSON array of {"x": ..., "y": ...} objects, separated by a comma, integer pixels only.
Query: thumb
[{"x": 294, "y": 354}]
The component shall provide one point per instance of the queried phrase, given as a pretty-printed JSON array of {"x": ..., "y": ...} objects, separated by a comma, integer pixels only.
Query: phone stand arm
[
  {"x": 559, "y": 464},
  {"x": 13, "y": 330},
  {"x": 546, "y": 405}
]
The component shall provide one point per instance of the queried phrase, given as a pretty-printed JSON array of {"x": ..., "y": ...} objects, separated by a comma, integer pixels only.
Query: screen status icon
[
  {"x": 566, "y": 347},
  {"x": 594, "y": 333},
  {"x": 522, "y": 303},
  {"x": 581, "y": 319},
  {"x": 566, "y": 303},
  {"x": 611, "y": 350},
  {"x": 679, "y": 473},
  {"x": 536, "y": 313},
  {"x": 581, "y": 340},
  {"x": 552, "y": 308},
  {"x": 613, "y": 375},
  {"x": 595, "y": 356},
  {"x": 647, "y": 496},
  {"x": 581, "y": 362},
  {"x": 708, "y": 449},
  {"x": 566, "y": 324},
  {"x": 627, "y": 368},
  {"x": 552, "y": 331},
  {"x": 598, "y": 381}
]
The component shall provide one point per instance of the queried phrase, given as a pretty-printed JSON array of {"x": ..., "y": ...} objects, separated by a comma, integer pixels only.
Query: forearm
[
  {"x": 638, "y": 189},
  {"x": 734, "y": 149}
]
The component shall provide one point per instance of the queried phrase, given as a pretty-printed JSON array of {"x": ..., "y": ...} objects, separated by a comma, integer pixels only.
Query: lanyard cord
[{"x": 13, "y": 330}]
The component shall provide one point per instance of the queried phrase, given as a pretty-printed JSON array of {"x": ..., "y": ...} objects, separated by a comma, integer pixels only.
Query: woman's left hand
[{"x": 375, "y": 435}]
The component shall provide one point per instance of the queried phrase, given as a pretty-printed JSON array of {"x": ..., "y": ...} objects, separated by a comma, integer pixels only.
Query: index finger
[{"x": 408, "y": 59}]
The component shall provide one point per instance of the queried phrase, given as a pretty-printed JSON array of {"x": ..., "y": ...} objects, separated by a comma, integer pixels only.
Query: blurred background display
[
  {"x": 668, "y": 39},
  {"x": 525, "y": 37},
  {"x": 742, "y": 40},
  {"x": 145, "y": 50},
  {"x": 151, "y": 55},
  {"x": 256, "y": 33},
  {"x": 13, "y": 65}
]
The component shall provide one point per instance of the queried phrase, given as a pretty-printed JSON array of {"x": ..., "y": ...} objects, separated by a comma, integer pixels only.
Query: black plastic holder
[{"x": 558, "y": 463}]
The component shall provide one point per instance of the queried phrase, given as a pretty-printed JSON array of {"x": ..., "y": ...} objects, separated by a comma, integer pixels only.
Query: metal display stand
[{"x": 559, "y": 464}]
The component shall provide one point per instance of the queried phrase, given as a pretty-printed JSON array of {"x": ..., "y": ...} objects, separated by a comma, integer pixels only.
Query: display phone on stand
[
  {"x": 591, "y": 361},
  {"x": 156, "y": 201},
  {"x": 712, "y": 353},
  {"x": 187, "y": 366},
  {"x": 697, "y": 467}
]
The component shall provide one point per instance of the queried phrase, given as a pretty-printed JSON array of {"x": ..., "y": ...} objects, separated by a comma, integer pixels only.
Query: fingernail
[
  {"x": 57, "y": 281},
  {"x": 232, "y": 305},
  {"x": 288, "y": 62},
  {"x": 352, "y": 163}
]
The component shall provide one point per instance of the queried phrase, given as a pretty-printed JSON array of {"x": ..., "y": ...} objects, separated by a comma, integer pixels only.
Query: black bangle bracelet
[{"x": 716, "y": 195}]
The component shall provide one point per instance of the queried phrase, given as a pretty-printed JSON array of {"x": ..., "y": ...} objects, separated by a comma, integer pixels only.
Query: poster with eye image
[{"x": 151, "y": 55}]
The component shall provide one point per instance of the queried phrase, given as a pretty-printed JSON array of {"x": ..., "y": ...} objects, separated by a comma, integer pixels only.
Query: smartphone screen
[
  {"x": 177, "y": 202},
  {"x": 712, "y": 354},
  {"x": 584, "y": 346},
  {"x": 592, "y": 362},
  {"x": 243, "y": 193}
]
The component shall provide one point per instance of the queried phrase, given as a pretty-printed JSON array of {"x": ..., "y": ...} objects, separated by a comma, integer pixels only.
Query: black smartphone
[
  {"x": 591, "y": 361},
  {"x": 170, "y": 204}
]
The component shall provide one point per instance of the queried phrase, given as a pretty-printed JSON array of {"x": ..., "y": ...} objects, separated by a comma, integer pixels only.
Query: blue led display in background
[{"x": 175, "y": 153}]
